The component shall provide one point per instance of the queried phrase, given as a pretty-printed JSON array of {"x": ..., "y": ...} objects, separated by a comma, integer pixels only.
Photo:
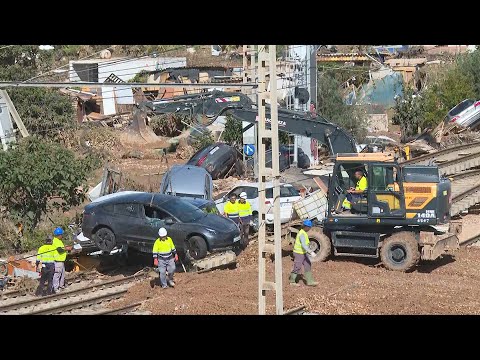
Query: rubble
[{"x": 221, "y": 186}]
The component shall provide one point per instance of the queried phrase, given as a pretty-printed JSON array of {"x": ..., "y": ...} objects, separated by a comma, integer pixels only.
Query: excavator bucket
[{"x": 138, "y": 131}]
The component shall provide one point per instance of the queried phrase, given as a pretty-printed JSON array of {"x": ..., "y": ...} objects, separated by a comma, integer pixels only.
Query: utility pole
[
  {"x": 249, "y": 136},
  {"x": 265, "y": 135}
]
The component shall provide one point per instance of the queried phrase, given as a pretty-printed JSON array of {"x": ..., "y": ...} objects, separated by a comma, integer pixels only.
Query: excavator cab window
[
  {"x": 344, "y": 178},
  {"x": 385, "y": 197}
]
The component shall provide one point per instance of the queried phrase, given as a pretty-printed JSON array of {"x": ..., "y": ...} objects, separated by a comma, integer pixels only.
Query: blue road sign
[{"x": 249, "y": 149}]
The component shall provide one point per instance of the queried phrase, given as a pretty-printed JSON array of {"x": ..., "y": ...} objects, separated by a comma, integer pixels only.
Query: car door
[
  {"x": 288, "y": 195},
  {"x": 155, "y": 218},
  {"x": 125, "y": 220}
]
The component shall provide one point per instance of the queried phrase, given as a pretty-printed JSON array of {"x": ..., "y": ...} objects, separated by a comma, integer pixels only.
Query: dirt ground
[{"x": 347, "y": 286}]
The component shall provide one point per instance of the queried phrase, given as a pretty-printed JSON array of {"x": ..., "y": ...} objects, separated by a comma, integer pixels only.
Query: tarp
[{"x": 382, "y": 91}]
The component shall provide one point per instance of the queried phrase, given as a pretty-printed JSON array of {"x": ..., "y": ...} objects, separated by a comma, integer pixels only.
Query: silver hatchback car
[{"x": 465, "y": 114}]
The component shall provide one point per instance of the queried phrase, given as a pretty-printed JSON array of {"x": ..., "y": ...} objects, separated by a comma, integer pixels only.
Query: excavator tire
[
  {"x": 321, "y": 244},
  {"x": 400, "y": 252}
]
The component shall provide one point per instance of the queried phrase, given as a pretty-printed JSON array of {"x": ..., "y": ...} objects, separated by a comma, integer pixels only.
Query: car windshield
[{"x": 183, "y": 210}]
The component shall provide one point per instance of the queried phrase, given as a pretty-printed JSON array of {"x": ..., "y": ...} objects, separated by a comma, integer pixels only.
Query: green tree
[
  {"x": 408, "y": 113},
  {"x": 233, "y": 134},
  {"x": 469, "y": 65},
  {"x": 37, "y": 176},
  {"x": 45, "y": 112},
  {"x": 203, "y": 139},
  {"x": 332, "y": 106},
  {"x": 447, "y": 88}
]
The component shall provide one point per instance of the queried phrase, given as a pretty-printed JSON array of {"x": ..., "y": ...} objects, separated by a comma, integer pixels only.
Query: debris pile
[{"x": 221, "y": 186}]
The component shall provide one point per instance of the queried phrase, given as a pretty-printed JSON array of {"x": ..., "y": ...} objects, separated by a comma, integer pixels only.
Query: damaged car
[{"x": 133, "y": 218}]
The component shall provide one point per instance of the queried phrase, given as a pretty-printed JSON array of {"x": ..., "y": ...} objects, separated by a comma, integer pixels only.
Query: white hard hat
[
  {"x": 162, "y": 232},
  {"x": 243, "y": 195}
]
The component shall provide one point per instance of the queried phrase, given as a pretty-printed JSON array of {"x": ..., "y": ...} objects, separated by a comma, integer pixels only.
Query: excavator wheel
[
  {"x": 320, "y": 244},
  {"x": 400, "y": 252}
]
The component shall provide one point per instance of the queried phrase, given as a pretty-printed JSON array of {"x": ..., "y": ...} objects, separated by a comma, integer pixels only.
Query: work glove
[
  {"x": 176, "y": 257},
  {"x": 312, "y": 254},
  {"x": 155, "y": 262}
]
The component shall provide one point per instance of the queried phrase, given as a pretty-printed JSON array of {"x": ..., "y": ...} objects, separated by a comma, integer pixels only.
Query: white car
[
  {"x": 288, "y": 195},
  {"x": 466, "y": 114}
]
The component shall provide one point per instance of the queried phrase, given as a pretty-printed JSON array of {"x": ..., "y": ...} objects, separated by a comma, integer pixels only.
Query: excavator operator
[{"x": 355, "y": 194}]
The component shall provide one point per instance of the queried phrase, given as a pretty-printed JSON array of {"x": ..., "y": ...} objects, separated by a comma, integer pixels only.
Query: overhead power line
[{"x": 9, "y": 84}]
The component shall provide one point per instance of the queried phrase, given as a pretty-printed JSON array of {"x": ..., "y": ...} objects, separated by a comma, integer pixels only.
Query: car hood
[{"x": 218, "y": 223}]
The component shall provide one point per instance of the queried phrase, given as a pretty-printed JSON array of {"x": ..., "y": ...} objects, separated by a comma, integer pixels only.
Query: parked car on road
[
  {"x": 133, "y": 218},
  {"x": 187, "y": 181},
  {"x": 288, "y": 195},
  {"x": 465, "y": 114},
  {"x": 218, "y": 159}
]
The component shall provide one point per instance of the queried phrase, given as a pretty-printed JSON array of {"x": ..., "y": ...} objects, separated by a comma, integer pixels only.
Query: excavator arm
[{"x": 213, "y": 104}]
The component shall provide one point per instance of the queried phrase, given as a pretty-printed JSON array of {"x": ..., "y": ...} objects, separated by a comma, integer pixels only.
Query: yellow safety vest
[
  {"x": 45, "y": 254},
  {"x": 297, "y": 248},
  {"x": 244, "y": 209},
  {"x": 57, "y": 243},
  {"x": 362, "y": 184},
  {"x": 231, "y": 209},
  {"x": 164, "y": 248}
]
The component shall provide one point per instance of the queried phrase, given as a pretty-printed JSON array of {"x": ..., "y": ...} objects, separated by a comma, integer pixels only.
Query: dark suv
[
  {"x": 218, "y": 159},
  {"x": 134, "y": 218}
]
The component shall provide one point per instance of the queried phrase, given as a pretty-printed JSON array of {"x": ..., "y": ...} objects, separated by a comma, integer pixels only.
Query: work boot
[
  {"x": 293, "y": 279},
  {"x": 309, "y": 279},
  {"x": 171, "y": 283}
]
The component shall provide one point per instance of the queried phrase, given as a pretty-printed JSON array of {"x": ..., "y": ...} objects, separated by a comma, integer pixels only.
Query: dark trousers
[
  {"x": 244, "y": 232},
  {"x": 301, "y": 260},
  {"x": 46, "y": 276}
]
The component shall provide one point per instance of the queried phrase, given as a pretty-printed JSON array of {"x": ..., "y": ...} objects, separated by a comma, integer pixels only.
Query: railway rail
[
  {"x": 70, "y": 300},
  {"x": 446, "y": 155},
  {"x": 465, "y": 191}
]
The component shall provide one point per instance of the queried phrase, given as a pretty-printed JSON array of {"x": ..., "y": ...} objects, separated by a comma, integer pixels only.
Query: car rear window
[
  {"x": 460, "y": 107},
  {"x": 198, "y": 155}
]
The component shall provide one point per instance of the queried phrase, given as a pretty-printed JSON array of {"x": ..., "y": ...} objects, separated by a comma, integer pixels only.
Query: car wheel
[
  {"x": 196, "y": 248},
  {"x": 105, "y": 239}
]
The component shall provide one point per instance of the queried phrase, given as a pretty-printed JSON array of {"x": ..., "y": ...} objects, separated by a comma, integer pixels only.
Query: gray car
[{"x": 187, "y": 181}]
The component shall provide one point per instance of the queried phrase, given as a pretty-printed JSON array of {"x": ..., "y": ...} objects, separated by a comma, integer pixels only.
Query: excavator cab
[{"x": 384, "y": 194}]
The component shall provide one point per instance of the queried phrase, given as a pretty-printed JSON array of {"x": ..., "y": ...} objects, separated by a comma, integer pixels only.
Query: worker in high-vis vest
[
  {"x": 60, "y": 257},
  {"x": 245, "y": 215},
  {"x": 301, "y": 249},
  {"x": 231, "y": 209},
  {"x": 355, "y": 194},
  {"x": 164, "y": 256},
  {"x": 46, "y": 267}
]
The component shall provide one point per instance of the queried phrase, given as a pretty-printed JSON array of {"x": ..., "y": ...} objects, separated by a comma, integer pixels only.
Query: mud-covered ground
[{"x": 347, "y": 286}]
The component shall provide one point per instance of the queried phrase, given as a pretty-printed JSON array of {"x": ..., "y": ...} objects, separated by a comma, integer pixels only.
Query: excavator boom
[{"x": 216, "y": 103}]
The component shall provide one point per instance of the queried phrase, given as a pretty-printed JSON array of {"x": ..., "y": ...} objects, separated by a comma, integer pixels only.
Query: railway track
[
  {"x": 71, "y": 300},
  {"x": 449, "y": 158},
  {"x": 465, "y": 191},
  {"x": 470, "y": 241}
]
